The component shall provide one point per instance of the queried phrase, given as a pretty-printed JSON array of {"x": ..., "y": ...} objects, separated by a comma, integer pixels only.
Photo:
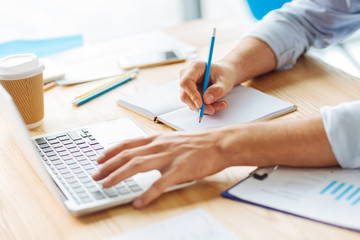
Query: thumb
[{"x": 214, "y": 92}]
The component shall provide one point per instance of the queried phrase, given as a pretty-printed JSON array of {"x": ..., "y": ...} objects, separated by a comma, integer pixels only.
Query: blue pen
[
  {"x": 102, "y": 91},
  {"x": 207, "y": 73}
]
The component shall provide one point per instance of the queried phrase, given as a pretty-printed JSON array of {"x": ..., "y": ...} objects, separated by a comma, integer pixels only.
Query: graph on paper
[
  {"x": 328, "y": 195},
  {"x": 342, "y": 191}
]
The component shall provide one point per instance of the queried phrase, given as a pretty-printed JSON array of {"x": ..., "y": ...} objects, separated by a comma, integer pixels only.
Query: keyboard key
[
  {"x": 63, "y": 154},
  {"x": 57, "y": 162},
  {"x": 75, "y": 166},
  {"x": 70, "y": 146},
  {"x": 98, "y": 195},
  {"x": 55, "y": 141},
  {"x": 91, "y": 171},
  {"x": 93, "y": 142},
  {"x": 40, "y": 141},
  {"x": 71, "y": 180},
  {"x": 81, "y": 158},
  {"x": 97, "y": 147},
  {"x": 67, "y": 158},
  {"x": 49, "y": 138},
  {"x": 74, "y": 135},
  {"x": 73, "y": 150},
  {"x": 70, "y": 161},
  {"x": 93, "y": 158},
  {"x": 56, "y": 145},
  {"x": 86, "y": 200},
  {"x": 86, "y": 180},
  {"x": 53, "y": 158},
  {"x": 88, "y": 166},
  {"x": 86, "y": 149},
  {"x": 135, "y": 188},
  {"x": 66, "y": 142},
  {"x": 83, "y": 195},
  {"x": 79, "y": 189},
  {"x": 77, "y": 170},
  {"x": 110, "y": 192},
  {"x": 89, "y": 184},
  {"x": 81, "y": 175},
  {"x": 90, "y": 154},
  {"x": 67, "y": 175},
  {"x": 123, "y": 190},
  {"x": 60, "y": 149},
  {"x": 47, "y": 149},
  {"x": 60, "y": 166},
  {"x": 50, "y": 154},
  {"x": 64, "y": 138},
  {"x": 93, "y": 189},
  {"x": 45, "y": 145},
  {"x": 64, "y": 171}
]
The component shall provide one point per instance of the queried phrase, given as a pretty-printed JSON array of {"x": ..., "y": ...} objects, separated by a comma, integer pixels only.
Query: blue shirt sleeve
[
  {"x": 342, "y": 126},
  {"x": 299, "y": 24}
]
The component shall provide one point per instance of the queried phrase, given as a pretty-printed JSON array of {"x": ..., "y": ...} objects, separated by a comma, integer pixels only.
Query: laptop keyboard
[{"x": 72, "y": 158}]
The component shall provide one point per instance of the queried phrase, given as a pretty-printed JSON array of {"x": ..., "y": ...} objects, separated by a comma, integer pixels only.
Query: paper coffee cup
[{"x": 21, "y": 75}]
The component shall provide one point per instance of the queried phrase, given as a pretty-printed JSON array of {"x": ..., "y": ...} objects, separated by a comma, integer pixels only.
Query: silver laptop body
[{"x": 66, "y": 160}]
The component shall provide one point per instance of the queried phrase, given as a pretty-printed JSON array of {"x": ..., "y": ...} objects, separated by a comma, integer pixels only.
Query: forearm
[
  {"x": 250, "y": 58},
  {"x": 301, "y": 143}
]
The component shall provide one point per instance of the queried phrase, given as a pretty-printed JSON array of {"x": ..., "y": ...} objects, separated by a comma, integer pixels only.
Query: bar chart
[{"x": 342, "y": 191}]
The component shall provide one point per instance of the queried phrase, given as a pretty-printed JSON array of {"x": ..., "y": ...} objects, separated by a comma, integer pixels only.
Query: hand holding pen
[{"x": 221, "y": 80}]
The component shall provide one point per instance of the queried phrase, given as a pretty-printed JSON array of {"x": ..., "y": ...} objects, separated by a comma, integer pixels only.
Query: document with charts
[
  {"x": 162, "y": 103},
  {"x": 328, "y": 195}
]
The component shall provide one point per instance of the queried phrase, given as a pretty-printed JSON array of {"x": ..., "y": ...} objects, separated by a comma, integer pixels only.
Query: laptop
[{"x": 66, "y": 160}]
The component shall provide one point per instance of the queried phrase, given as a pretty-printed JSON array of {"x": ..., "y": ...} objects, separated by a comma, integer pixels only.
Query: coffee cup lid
[{"x": 20, "y": 66}]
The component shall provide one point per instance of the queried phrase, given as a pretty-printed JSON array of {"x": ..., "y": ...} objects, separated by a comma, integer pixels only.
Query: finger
[
  {"x": 111, "y": 152},
  {"x": 211, "y": 109},
  {"x": 156, "y": 189},
  {"x": 220, "y": 105},
  {"x": 136, "y": 165},
  {"x": 193, "y": 75},
  {"x": 214, "y": 93},
  {"x": 190, "y": 89},
  {"x": 186, "y": 99},
  {"x": 125, "y": 156},
  {"x": 112, "y": 164}
]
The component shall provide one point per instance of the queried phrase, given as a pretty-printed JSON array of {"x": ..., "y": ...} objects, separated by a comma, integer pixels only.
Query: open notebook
[{"x": 162, "y": 103}]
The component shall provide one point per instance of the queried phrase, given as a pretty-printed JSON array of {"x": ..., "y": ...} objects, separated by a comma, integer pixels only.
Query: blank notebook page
[{"x": 245, "y": 105}]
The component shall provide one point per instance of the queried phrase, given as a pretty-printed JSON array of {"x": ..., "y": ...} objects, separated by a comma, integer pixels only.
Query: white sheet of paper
[
  {"x": 194, "y": 225},
  {"x": 330, "y": 195}
]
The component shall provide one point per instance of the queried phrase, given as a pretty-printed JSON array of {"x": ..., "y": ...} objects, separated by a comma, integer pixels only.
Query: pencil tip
[{"x": 200, "y": 118}]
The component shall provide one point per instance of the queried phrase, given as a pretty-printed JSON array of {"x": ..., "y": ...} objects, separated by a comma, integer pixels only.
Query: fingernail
[
  {"x": 198, "y": 104},
  {"x": 100, "y": 158},
  {"x": 138, "y": 203},
  {"x": 207, "y": 111},
  {"x": 95, "y": 175},
  {"x": 209, "y": 98}
]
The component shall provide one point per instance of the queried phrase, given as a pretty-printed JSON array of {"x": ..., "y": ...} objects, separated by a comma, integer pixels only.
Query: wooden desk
[{"x": 28, "y": 211}]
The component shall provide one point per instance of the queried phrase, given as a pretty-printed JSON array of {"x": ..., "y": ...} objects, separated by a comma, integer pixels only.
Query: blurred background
[{"x": 99, "y": 20}]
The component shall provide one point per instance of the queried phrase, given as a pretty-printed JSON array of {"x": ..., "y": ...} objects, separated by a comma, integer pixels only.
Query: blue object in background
[
  {"x": 41, "y": 48},
  {"x": 260, "y": 8}
]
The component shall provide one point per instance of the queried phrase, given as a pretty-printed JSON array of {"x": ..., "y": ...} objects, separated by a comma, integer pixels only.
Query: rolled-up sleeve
[
  {"x": 342, "y": 126},
  {"x": 299, "y": 24}
]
